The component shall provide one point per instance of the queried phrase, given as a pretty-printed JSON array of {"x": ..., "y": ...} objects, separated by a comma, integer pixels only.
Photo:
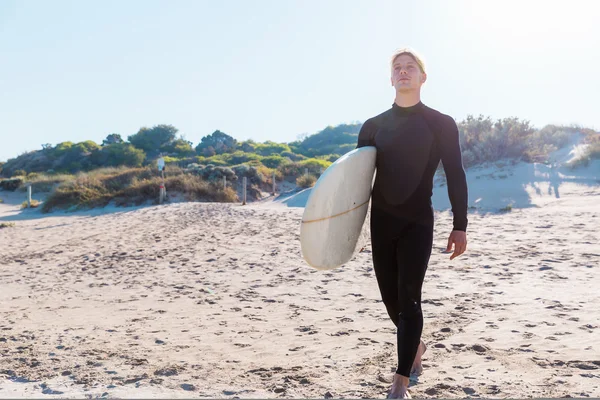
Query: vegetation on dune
[
  {"x": 132, "y": 186},
  {"x": 88, "y": 174},
  {"x": 591, "y": 152},
  {"x": 484, "y": 140},
  {"x": 26, "y": 204},
  {"x": 41, "y": 182},
  {"x": 11, "y": 184},
  {"x": 306, "y": 181}
]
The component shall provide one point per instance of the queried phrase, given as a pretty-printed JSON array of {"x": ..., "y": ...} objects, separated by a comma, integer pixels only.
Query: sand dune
[{"x": 499, "y": 185}]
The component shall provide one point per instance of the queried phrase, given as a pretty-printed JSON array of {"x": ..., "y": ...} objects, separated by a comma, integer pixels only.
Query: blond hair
[{"x": 410, "y": 52}]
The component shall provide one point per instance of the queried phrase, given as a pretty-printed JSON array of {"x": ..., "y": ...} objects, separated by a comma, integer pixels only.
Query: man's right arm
[{"x": 366, "y": 134}]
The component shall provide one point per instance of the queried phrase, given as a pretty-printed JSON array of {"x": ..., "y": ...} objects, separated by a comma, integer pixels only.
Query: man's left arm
[{"x": 457, "y": 185}]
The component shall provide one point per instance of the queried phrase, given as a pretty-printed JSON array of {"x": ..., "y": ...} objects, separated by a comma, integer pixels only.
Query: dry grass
[
  {"x": 41, "y": 182},
  {"x": 34, "y": 204},
  {"x": 306, "y": 181},
  {"x": 131, "y": 186},
  {"x": 592, "y": 152},
  {"x": 7, "y": 225}
]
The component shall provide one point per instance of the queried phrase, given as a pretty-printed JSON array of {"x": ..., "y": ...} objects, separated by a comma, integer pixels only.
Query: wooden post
[
  {"x": 274, "y": 187},
  {"x": 163, "y": 190},
  {"x": 29, "y": 195},
  {"x": 306, "y": 171},
  {"x": 224, "y": 183},
  {"x": 244, "y": 191}
]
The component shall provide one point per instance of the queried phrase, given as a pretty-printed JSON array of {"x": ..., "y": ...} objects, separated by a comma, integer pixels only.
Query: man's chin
[{"x": 404, "y": 89}]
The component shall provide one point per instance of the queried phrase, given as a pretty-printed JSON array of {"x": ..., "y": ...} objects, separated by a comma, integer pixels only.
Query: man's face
[{"x": 406, "y": 74}]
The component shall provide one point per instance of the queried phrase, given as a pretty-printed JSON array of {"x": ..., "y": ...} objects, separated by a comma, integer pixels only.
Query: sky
[{"x": 276, "y": 69}]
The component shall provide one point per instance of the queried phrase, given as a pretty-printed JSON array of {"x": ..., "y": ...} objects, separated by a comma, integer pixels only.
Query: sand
[
  {"x": 214, "y": 300},
  {"x": 197, "y": 300}
]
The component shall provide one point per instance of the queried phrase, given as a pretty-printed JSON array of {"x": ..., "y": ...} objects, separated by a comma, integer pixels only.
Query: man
[{"x": 411, "y": 139}]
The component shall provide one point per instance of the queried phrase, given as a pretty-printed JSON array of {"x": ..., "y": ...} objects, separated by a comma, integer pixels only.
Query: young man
[{"x": 411, "y": 139}]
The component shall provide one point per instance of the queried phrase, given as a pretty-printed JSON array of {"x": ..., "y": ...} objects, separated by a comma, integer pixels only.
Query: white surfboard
[{"x": 336, "y": 208}]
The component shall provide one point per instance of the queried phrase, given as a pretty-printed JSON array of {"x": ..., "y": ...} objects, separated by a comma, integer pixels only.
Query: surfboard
[{"x": 336, "y": 208}]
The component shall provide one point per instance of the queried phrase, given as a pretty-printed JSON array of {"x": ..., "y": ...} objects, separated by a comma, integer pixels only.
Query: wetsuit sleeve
[
  {"x": 455, "y": 173},
  {"x": 366, "y": 134}
]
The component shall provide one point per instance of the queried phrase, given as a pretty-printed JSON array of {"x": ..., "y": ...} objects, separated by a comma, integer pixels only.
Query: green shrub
[
  {"x": 215, "y": 160},
  {"x": 169, "y": 159},
  {"x": 293, "y": 156},
  {"x": 274, "y": 161},
  {"x": 213, "y": 173},
  {"x": 240, "y": 157},
  {"x": 11, "y": 184},
  {"x": 117, "y": 154},
  {"x": 306, "y": 181},
  {"x": 267, "y": 173},
  {"x": 315, "y": 165},
  {"x": 291, "y": 170},
  {"x": 332, "y": 158},
  {"x": 270, "y": 148}
]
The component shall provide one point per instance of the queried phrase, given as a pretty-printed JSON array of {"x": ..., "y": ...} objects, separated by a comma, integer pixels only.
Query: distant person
[{"x": 411, "y": 139}]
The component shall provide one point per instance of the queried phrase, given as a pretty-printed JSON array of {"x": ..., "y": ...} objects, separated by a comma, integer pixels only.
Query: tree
[
  {"x": 219, "y": 141},
  {"x": 153, "y": 140},
  {"x": 112, "y": 139},
  {"x": 208, "y": 152}
]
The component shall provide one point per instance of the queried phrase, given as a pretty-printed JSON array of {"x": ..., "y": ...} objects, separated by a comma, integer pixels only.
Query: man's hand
[{"x": 459, "y": 240}]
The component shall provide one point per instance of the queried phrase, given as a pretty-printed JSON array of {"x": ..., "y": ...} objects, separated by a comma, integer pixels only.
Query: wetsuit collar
[{"x": 407, "y": 110}]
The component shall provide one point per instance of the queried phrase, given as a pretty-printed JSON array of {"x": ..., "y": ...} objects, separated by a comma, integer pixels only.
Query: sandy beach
[{"x": 214, "y": 300}]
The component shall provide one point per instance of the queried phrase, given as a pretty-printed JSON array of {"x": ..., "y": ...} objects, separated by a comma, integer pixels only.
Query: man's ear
[
  {"x": 392, "y": 81},
  {"x": 424, "y": 78}
]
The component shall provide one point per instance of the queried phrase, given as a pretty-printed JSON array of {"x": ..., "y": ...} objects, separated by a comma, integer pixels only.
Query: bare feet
[
  {"x": 399, "y": 388},
  {"x": 417, "y": 367}
]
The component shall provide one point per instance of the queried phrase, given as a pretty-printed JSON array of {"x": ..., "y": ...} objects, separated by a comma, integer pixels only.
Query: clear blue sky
[{"x": 273, "y": 69}]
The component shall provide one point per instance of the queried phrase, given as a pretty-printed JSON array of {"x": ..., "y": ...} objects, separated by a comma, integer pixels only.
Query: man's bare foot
[
  {"x": 399, "y": 388},
  {"x": 417, "y": 367}
]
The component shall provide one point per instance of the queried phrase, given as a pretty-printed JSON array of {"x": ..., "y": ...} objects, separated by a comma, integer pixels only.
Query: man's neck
[{"x": 407, "y": 99}]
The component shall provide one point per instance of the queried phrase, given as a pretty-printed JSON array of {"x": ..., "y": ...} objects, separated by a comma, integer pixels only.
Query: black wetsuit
[{"x": 410, "y": 143}]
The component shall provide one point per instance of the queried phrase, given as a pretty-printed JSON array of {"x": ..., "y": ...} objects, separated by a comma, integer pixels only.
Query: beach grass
[{"x": 132, "y": 186}]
